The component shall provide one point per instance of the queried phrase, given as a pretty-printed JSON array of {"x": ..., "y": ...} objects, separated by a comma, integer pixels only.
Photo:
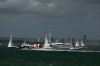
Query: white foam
[
  {"x": 82, "y": 51},
  {"x": 42, "y": 49},
  {"x": 89, "y": 51}
]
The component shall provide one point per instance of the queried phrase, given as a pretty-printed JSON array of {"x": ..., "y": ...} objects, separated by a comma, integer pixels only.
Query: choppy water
[{"x": 16, "y": 57}]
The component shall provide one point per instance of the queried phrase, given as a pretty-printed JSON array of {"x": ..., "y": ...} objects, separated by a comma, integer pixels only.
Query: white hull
[
  {"x": 47, "y": 47},
  {"x": 73, "y": 48},
  {"x": 11, "y": 46},
  {"x": 60, "y": 46},
  {"x": 82, "y": 47}
]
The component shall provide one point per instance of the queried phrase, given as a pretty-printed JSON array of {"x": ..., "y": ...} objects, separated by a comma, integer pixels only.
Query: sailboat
[
  {"x": 10, "y": 44},
  {"x": 46, "y": 46},
  {"x": 82, "y": 44},
  {"x": 77, "y": 44},
  {"x": 72, "y": 46},
  {"x": 46, "y": 43}
]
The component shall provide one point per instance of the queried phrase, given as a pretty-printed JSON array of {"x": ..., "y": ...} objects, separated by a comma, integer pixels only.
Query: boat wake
[
  {"x": 48, "y": 50},
  {"x": 82, "y": 51},
  {"x": 88, "y": 51},
  {"x": 42, "y": 49}
]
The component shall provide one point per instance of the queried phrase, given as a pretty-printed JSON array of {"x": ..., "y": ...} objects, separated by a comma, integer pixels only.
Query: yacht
[{"x": 11, "y": 44}]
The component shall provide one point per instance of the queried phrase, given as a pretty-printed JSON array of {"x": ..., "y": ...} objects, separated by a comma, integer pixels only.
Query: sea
[{"x": 17, "y": 57}]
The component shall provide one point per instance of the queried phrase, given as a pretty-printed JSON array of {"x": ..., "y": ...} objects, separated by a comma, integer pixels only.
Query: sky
[{"x": 33, "y": 18}]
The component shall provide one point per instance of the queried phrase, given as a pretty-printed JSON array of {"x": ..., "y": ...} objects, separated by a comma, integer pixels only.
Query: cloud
[
  {"x": 64, "y": 16},
  {"x": 49, "y": 9},
  {"x": 25, "y": 6}
]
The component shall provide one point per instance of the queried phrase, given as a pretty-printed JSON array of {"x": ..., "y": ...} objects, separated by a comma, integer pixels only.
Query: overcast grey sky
[{"x": 33, "y": 18}]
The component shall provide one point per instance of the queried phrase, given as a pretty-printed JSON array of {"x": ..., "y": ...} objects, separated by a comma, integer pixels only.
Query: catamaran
[{"x": 10, "y": 44}]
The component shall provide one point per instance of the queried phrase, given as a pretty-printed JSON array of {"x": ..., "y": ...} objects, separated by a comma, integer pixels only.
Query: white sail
[
  {"x": 10, "y": 44},
  {"x": 82, "y": 44},
  {"x": 71, "y": 46},
  {"x": 77, "y": 43},
  {"x": 46, "y": 43}
]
